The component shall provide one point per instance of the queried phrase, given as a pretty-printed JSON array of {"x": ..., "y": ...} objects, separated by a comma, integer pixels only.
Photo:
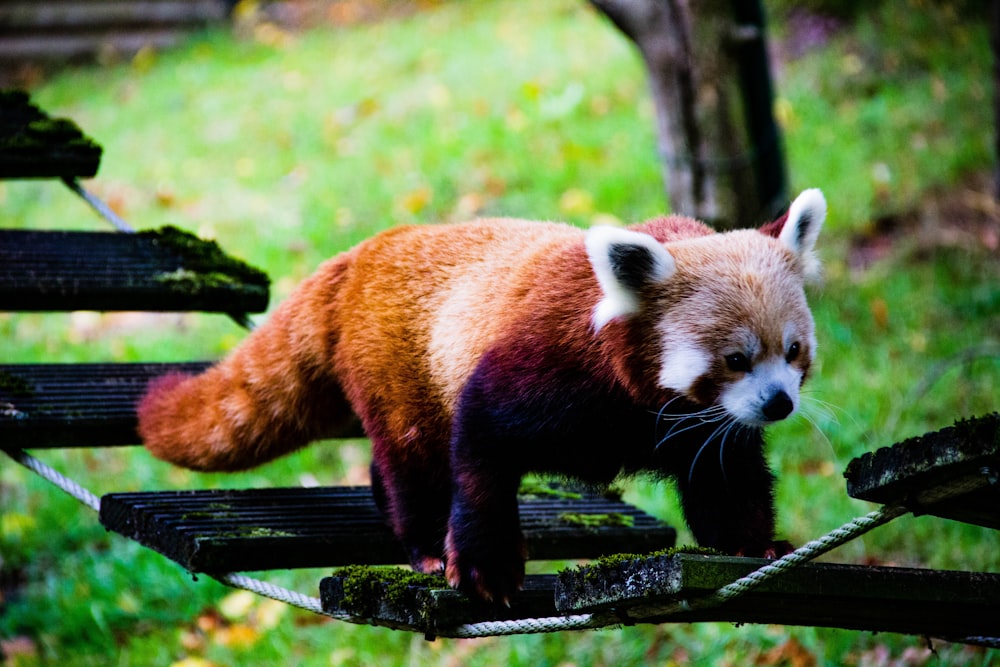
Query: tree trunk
[
  {"x": 995, "y": 43},
  {"x": 710, "y": 84}
]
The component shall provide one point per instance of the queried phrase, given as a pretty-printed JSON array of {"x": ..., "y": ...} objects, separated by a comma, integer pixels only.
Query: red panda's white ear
[
  {"x": 624, "y": 262},
  {"x": 801, "y": 229}
]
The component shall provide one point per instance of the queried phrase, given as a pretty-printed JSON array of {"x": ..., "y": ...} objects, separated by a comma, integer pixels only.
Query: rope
[
  {"x": 308, "y": 603},
  {"x": 525, "y": 626},
  {"x": 106, "y": 212},
  {"x": 55, "y": 477},
  {"x": 465, "y": 631},
  {"x": 102, "y": 209},
  {"x": 839, "y": 536},
  {"x": 807, "y": 552},
  {"x": 278, "y": 593},
  {"x": 235, "y": 580}
]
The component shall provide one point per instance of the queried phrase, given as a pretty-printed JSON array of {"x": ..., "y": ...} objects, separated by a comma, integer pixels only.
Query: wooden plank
[
  {"x": 77, "y": 45},
  {"x": 161, "y": 270},
  {"x": 74, "y": 405},
  {"x": 32, "y": 145},
  {"x": 33, "y": 16},
  {"x": 223, "y": 531},
  {"x": 384, "y": 598},
  {"x": 80, "y": 405},
  {"x": 952, "y": 473},
  {"x": 670, "y": 588}
]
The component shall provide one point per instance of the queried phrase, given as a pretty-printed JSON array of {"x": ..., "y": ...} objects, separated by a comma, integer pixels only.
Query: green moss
[
  {"x": 13, "y": 98},
  {"x": 15, "y": 386},
  {"x": 262, "y": 531},
  {"x": 204, "y": 261},
  {"x": 54, "y": 129},
  {"x": 598, "y": 569},
  {"x": 192, "y": 282},
  {"x": 535, "y": 487},
  {"x": 594, "y": 521},
  {"x": 364, "y": 584},
  {"x": 31, "y": 131}
]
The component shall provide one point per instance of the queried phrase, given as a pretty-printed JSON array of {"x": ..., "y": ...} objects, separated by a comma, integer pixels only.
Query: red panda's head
[{"x": 726, "y": 313}]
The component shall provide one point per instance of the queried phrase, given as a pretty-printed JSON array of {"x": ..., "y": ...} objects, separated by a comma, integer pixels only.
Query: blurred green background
[{"x": 288, "y": 145}]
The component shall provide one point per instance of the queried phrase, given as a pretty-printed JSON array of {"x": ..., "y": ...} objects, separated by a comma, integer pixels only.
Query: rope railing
[{"x": 839, "y": 536}]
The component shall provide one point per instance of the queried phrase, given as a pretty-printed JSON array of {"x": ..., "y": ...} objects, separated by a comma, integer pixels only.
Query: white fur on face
[
  {"x": 683, "y": 364},
  {"x": 745, "y": 398}
]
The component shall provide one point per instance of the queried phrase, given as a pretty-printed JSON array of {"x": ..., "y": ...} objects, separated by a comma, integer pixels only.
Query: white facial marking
[
  {"x": 683, "y": 363},
  {"x": 745, "y": 398}
]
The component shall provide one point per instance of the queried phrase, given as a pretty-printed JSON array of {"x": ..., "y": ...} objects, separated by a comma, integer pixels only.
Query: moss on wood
[
  {"x": 598, "y": 569},
  {"x": 531, "y": 486},
  {"x": 363, "y": 585},
  {"x": 15, "y": 386},
  {"x": 36, "y": 132},
  {"x": 204, "y": 263},
  {"x": 595, "y": 521}
]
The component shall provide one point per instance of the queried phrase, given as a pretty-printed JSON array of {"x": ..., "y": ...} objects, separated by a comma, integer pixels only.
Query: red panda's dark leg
[
  {"x": 728, "y": 497},
  {"x": 415, "y": 498},
  {"x": 485, "y": 547}
]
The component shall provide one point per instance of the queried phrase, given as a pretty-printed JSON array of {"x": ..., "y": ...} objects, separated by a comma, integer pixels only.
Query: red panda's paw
[
  {"x": 427, "y": 565},
  {"x": 770, "y": 550},
  {"x": 493, "y": 575}
]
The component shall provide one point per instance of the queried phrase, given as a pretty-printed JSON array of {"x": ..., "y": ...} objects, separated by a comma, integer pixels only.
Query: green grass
[{"x": 290, "y": 152}]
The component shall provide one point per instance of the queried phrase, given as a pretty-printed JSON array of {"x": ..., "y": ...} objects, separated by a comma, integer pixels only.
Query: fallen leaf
[
  {"x": 193, "y": 662},
  {"x": 269, "y": 614},
  {"x": 237, "y": 605},
  {"x": 880, "y": 312},
  {"x": 469, "y": 205},
  {"x": 239, "y": 635},
  {"x": 791, "y": 653},
  {"x": 417, "y": 200},
  {"x": 576, "y": 201}
]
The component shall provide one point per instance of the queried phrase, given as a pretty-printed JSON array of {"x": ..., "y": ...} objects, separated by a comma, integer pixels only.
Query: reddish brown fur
[
  {"x": 235, "y": 416},
  {"x": 416, "y": 322}
]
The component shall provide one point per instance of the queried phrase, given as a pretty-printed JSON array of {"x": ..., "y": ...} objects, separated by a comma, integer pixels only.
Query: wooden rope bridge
[{"x": 952, "y": 473}]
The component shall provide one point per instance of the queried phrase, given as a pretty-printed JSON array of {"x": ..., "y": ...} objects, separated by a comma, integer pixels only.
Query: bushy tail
[{"x": 273, "y": 394}]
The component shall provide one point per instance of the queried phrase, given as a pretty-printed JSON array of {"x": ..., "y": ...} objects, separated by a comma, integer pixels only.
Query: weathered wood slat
[
  {"x": 952, "y": 473},
  {"x": 163, "y": 270},
  {"x": 23, "y": 15},
  {"x": 74, "y": 405},
  {"x": 434, "y": 610},
  {"x": 71, "y": 29},
  {"x": 669, "y": 588},
  {"x": 81, "y": 405},
  {"x": 32, "y": 145},
  {"x": 223, "y": 531},
  {"x": 71, "y": 45}
]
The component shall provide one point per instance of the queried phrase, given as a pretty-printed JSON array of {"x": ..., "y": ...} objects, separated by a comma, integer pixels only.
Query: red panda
[{"x": 475, "y": 353}]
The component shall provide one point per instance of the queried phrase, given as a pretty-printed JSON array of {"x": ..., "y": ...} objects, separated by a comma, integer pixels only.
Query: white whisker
[
  {"x": 722, "y": 448},
  {"x": 827, "y": 410},
  {"x": 707, "y": 415},
  {"x": 805, "y": 415},
  {"x": 728, "y": 424}
]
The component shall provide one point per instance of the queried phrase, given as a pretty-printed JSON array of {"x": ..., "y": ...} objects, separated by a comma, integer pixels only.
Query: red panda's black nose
[{"x": 778, "y": 407}]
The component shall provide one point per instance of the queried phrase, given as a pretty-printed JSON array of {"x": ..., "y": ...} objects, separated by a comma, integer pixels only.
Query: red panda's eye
[
  {"x": 793, "y": 352},
  {"x": 738, "y": 362}
]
